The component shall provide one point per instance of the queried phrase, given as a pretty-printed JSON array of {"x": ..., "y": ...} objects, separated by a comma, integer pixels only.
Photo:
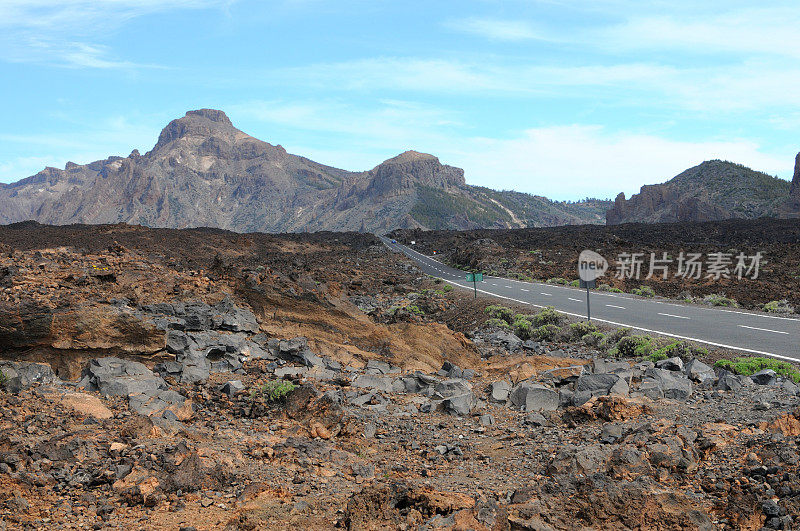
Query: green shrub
[
  {"x": 750, "y": 365},
  {"x": 500, "y": 312},
  {"x": 615, "y": 290},
  {"x": 546, "y": 332},
  {"x": 644, "y": 291},
  {"x": 719, "y": 300},
  {"x": 447, "y": 288},
  {"x": 678, "y": 349},
  {"x": 575, "y": 283},
  {"x": 497, "y": 323},
  {"x": 699, "y": 352},
  {"x": 632, "y": 347},
  {"x": 657, "y": 356},
  {"x": 547, "y": 316},
  {"x": 578, "y": 330},
  {"x": 522, "y": 327},
  {"x": 593, "y": 339},
  {"x": 557, "y": 280},
  {"x": 612, "y": 338},
  {"x": 274, "y": 390},
  {"x": 603, "y": 287},
  {"x": 416, "y": 310},
  {"x": 781, "y": 306}
]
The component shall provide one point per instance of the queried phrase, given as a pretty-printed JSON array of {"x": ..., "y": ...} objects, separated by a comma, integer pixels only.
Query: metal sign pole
[
  {"x": 588, "y": 310},
  {"x": 475, "y": 286}
]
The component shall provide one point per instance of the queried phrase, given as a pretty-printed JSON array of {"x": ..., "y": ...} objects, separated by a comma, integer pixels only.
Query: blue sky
[{"x": 556, "y": 97}]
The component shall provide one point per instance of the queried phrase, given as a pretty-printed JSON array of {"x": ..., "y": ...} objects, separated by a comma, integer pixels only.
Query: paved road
[{"x": 749, "y": 332}]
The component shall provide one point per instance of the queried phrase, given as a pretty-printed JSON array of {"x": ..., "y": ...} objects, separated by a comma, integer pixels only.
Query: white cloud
[
  {"x": 560, "y": 162},
  {"x": 59, "y": 32},
  {"x": 495, "y": 29},
  {"x": 770, "y": 30},
  {"x": 568, "y": 162}
]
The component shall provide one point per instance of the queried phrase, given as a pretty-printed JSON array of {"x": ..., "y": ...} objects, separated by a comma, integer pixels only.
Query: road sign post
[
  {"x": 590, "y": 266},
  {"x": 475, "y": 278}
]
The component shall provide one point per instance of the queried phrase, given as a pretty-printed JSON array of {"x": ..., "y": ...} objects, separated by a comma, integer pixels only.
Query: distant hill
[
  {"x": 205, "y": 172},
  {"x": 712, "y": 191}
]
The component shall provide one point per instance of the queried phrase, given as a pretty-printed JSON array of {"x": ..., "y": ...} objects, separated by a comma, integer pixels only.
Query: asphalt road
[{"x": 747, "y": 332}]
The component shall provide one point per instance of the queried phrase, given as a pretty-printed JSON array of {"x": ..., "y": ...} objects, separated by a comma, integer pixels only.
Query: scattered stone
[
  {"x": 21, "y": 375},
  {"x": 671, "y": 364},
  {"x": 765, "y": 377},
  {"x": 534, "y": 397},
  {"x": 232, "y": 387},
  {"x": 499, "y": 391},
  {"x": 117, "y": 377},
  {"x": 672, "y": 385},
  {"x": 699, "y": 372}
]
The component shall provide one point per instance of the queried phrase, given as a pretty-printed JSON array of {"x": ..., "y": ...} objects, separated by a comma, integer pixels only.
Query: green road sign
[{"x": 474, "y": 277}]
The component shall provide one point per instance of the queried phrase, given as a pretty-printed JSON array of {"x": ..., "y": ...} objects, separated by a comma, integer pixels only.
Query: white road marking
[
  {"x": 576, "y": 300},
  {"x": 523, "y": 289},
  {"x": 547, "y": 294},
  {"x": 650, "y": 330},
  {"x": 676, "y": 316},
  {"x": 764, "y": 329},
  {"x": 614, "y": 306},
  {"x": 509, "y": 287},
  {"x": 493, "y": 284}
]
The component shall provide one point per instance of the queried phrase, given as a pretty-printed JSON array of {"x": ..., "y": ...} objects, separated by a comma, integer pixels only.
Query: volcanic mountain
[
  {"x": 203, "y": 171},
  {"x": 712, "y": 191}
]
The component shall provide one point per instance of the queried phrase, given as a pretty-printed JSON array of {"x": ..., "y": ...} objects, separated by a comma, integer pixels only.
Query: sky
[{"x": 562, "y": 98}]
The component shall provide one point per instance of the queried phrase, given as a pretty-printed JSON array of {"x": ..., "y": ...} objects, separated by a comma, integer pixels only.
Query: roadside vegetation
[{"x": 750, "y": 365}]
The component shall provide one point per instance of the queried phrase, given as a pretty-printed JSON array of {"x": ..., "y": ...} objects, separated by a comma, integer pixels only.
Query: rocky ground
[
  {"x": 552, "y": 253},
  {"x": 198, "y": 379}
]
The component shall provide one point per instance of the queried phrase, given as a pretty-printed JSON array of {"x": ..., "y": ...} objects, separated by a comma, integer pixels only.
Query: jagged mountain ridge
[
  {"x": 203, "y": 171},
  {"x": 711, "y": 191}
]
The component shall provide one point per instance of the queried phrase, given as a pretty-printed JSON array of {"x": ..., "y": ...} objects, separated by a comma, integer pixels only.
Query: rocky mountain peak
[{"x": 209, "y": 123}]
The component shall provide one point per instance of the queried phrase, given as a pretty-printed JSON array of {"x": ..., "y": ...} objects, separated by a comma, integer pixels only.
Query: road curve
[{"x": 752, "y": 333}]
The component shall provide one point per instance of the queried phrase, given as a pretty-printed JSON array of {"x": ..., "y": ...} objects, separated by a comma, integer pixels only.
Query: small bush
[
  {"x": 416, "y": 310},
  {"x": 557, "y": 280},
  {"x": 644, "y": 291},
  {"x": 522, "y": 327},
  {"x": 615, "y": 290},
  {"x": 500, "y": 312},
  {"x": 578, "y": 330},
  {"x": 603, "y": 287},
  {"x": 781, "y": 306},
  {"x": 546, "y": 332},
  {"x": 719, "y": 300},
  {"x": 575, "y": 283},
  {"x": 678, "y": 349},
  {"x": 632, "y": 347},
  {"x": 447, "y": 288},
  {"x": 751, "y": 365},
  {"x": 274, "y": 390},
  {"x": 593, "y": 339},
  {"x": 657, "y": 356},
  {"x": 547, "y": 316},
  {"x": 497, "y": 323},
  {"x": 612, "y": 338}
]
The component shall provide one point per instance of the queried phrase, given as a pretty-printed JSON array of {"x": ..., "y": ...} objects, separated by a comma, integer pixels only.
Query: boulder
[
  {"x": 534, "y": 397},
  {"x": 112, "y": 376},
  {"x": 673, "y": 385},
  {"x": 499, "y": 391},
  {"x": 602, "y": 384},
  {"x": 452, "y": 387},
  {"x": 765, "y": 377},
  {"x": 87, "y": 405},
  {"x": 460, "y": 404},
  {"x": 232, "y": 387},
  {"x": 728, "y": 381},
  {"x": 698, "y": 371},
  {"x": 372, "y": 381},
  {"x": 671, "y": 364},
  {"x": 21, "y": 375}
]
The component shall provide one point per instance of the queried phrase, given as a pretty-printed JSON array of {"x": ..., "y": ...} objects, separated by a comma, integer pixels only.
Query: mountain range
[
  {"x": 203, "y": 171},
  {"x": 711, "y": 191}
]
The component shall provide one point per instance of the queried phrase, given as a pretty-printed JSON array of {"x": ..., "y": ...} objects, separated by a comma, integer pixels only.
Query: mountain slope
[
  {"x": 205, "y": 172},
  {"x": 711, "y": 191}
]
